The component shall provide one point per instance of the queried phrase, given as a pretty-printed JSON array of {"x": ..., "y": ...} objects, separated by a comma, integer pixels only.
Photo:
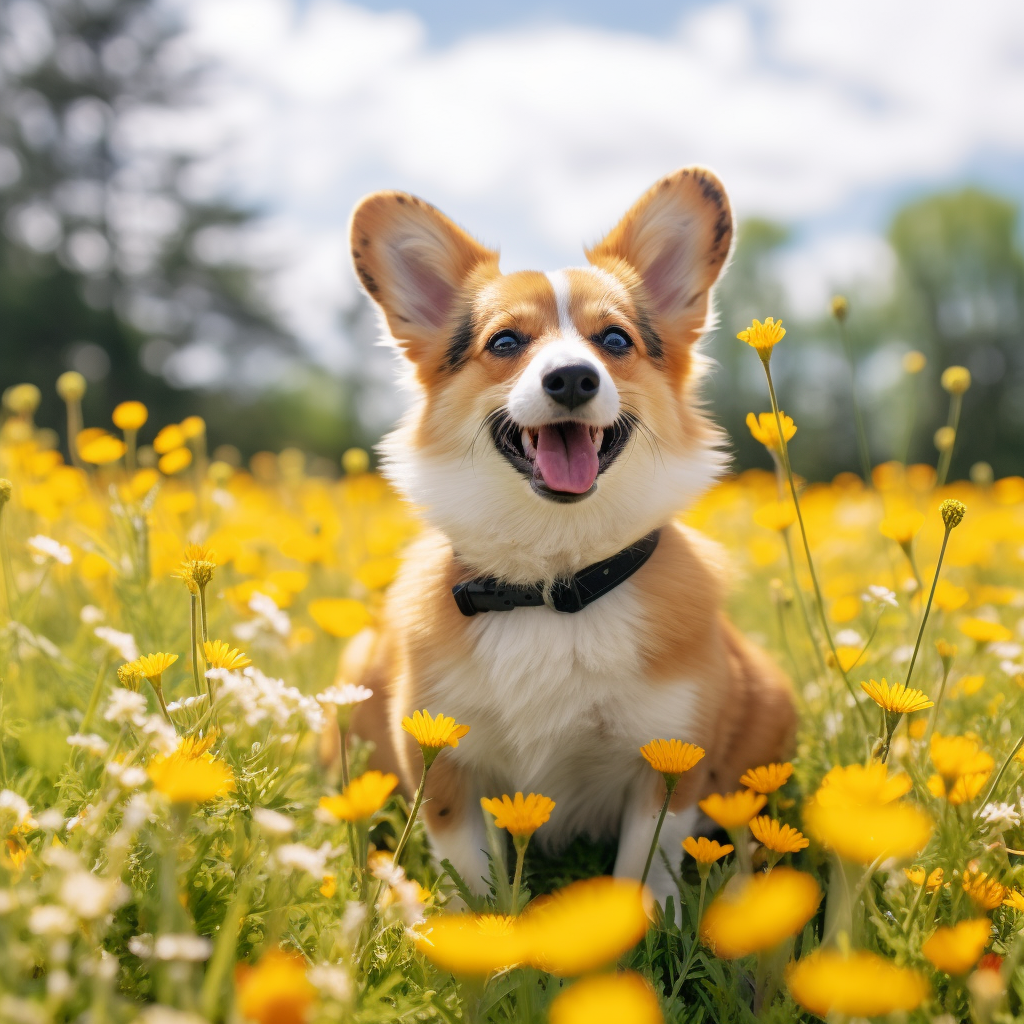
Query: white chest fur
[{"x": 559, "y": 705}]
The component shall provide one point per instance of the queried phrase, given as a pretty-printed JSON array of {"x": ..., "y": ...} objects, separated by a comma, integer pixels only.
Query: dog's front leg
[
  {"x": 455, "y": 823},
  {"x": 639, "y": 820}
]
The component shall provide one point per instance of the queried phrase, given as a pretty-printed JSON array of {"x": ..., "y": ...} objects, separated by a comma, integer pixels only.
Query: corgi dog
[{"x": 553, "y": 602}]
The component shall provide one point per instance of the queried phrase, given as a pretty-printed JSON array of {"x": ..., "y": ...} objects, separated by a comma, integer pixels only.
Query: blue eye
[
  {"x": 615, "y": 339},
  {"x": 505, "y": 343}
]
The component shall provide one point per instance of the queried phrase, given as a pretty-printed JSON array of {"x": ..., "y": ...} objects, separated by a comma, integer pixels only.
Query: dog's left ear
[{"x": 676, "y": 239}]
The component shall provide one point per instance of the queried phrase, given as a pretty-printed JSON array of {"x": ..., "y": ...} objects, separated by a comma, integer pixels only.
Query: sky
[{"x": 536, "y": 125}]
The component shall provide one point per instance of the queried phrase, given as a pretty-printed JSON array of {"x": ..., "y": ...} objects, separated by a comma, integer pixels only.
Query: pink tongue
[{"x": 567, "y": 458}]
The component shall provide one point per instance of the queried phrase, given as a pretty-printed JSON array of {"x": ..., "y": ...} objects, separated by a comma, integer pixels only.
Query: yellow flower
[
  {"x": 129, "y": 675},
  {"x": 22, "y": 399},
  {"x": 706, "y": 851},
  {"x": 862, "y": 784},
  {"x": 196, "y": 746},
  {"x": 102, "y": 450},
  {"x": 958, "y": 791},
  {"x": 192, "y": 427},
  {"x": 153, "y": 666},
  {"x": 944, "y": 438},
  {"x": 175, "y": 461},
  {"x": 983, "y": 631},
  {"x": 362, "y": 798},
  {"x": 956, "y": 950},
  {"x": 985, "y": 891},
  {"x": 339, "y": 616},
  {"x": 186, "y": 779},
  {"x": 917, "y": 876},
  {"x": 621, "y": 997},
  {"x": 434, "y": 733},
  {"x": 219, "y": 655},
  {"x": 275, "y": 991},
  {"x": 671, "y": 757},
  {"x": 901, "y": 525},
  {"x": 952, "y": 512},
  {"x": 848, "y": 656},
  {"x": 767, "y": 778},
  {"x": 856, "y": 984},
  {"x": 197, "y": 567},
  {"x": 521, "y": 816},
  {"x": 778, "y": 515},
  {"x": 956, "y": 756},
  {"x": 896, "y": 697},
  {"x": 914, "y": 362},
  {"x": 777, "y": 837},
  {"x": 328, "y": 886},
  {"x": 71, "y": 386},
  {"x": 732, "y": 810},
  {"x": 756, "y": 912},
  {"x": 763, "y": 337},
  {"x": 470, "y": 943},
  {"x": 586, "y": 925},
  {"x": 949, "y": 597},
  {"x": 967, "y": 686},
  {"x": 764, "y": 429},
  {"x": 130, "y": 416},
  {"x": 355, "y": 461},
  {"x": 840, "y": 307},
  {"x": 1014, "y": 900},
  {"x": 169, "y": 439},
  {"x": 955, "y": 379}
]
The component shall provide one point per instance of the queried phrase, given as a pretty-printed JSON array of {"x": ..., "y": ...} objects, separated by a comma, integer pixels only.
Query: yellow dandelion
[
  {"x": 767, "y": 778},
  {"x": 956, "y": 950},
  {"x": 956, "y": 756},
  {"x": 586, "y": 925},
  {"x": 187, "y": 779},
  {"x": 1015, "y": 900},
  {"x": 275, "y": 991},
  {"x": 983, "y": 631},
  {"x": 896, "y": 698},
  {"x": 339, "y": 616},
  {"x": 472, "y": 944},
  {"x": 153, "y": 666},
  {"x": 777, "y": 837},
  {"x": 855, "y": 984},
  {"x": 362, "y": 798},
  {"x": 858, "y": 783},
  {"x": 763, "y": 337},
  {"x": 623, "y": 996},
  {"x": 220, "y": 655},
  {"x": 947, "y": 651},
  {"x": 434, "y": 733},
  {"x": 130, "y": 416},
  {"x": 197, "y": 567},
  {"x": 520, "y": 816},
  {"x": 930, "y": 880},
  {"x": 706, "y": 851},
  {"x": 901, "y": 525},
  {"x": 671, "y": 757},
  {"x": 756, "y": 912},
  {"x": 102, "y": 450},
  {"x": 764, "y": 429},
  {"x": 985, "y": 891},
  {"x": 961, "y": 790},
  {"x": 732, "y": 810}
]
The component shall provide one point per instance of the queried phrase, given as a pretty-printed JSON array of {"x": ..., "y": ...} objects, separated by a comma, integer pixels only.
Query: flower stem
[
  {"x": 807, "y": 547},
  {"x": 10, "y": 588},
  {"x": 521, "y": 842},
  {"x": 195, "y": 652},
  {"x": 946, "y": 457},
  {"x": 928, "y": 607},
  {"x": 999, "y": 774},
  {"x": 862, "y": 437},
  {"x": 669, "y": 789},
  {"x": 417, "y": 800},
  {"x": 344, "y": 757},
  {"x": 696, "y": 930},
  {"x": 938, "y": 703}
]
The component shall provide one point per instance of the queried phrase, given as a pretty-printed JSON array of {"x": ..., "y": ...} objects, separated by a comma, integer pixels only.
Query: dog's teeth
[
  {"x": 597, "y": 436},
  {"x": 528, "y": 446}
]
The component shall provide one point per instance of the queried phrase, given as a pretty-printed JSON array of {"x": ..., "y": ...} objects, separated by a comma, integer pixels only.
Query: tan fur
[{"x": 560, "y": 702}]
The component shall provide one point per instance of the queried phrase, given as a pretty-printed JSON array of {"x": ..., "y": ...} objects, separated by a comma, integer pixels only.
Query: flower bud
[
  {"x": 355, "y": 461},
  {"x": 6, "y": 487},
  {"x": 22, "y": 399},
  {"x": 914, "y": 362},
  {"x": 956, "y": 379},
  {"x": 944, "y": 439},
  {"x": 71, "y": 386},
  {"x": 952, "y": 512},
  {"x": 840, "y": 307}
]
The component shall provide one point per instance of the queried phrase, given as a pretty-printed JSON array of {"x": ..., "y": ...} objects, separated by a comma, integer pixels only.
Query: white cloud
[{"x": 539, "y": 139}]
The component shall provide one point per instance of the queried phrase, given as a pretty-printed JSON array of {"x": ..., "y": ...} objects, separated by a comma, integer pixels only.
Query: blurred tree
[
  {"x": 962, "y": 285},
  {"x": 112, "y": 261}
]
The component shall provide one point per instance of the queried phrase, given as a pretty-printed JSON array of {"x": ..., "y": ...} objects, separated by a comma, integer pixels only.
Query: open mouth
[{"x": 561, "y": 460}]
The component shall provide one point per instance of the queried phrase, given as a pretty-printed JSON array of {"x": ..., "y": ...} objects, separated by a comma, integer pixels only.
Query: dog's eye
[
  {"x": 615, "y": 339},
  {"x": 505, "y": 343}
]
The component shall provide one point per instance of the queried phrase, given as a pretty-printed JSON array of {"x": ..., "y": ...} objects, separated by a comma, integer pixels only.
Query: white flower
[
  {"x": 162, "y": 736},
  {"x": 91, "y": 742},
  {"x": 8, "y": 901},
  {"x": 298, "y": 857},
  {"x": 137, "y": 812},
  {"x": 903, "y": 654},
  {"x": 407, "y": 894},
  {"x": 258, "y": 697},
  {"x": 1007, "y": 651},
  {"x": 384, "y": 868},
  {"x": 999, "y": 817},
  {"x": 332, "y": 980},
  {"x": 345, "y": 695},
  {"x": 91, "y": 897},
  {"x": 184, "y": 946},
  {"x": 141, "y": 945},
  {"x": 352, "y": 919},
  {"x": 16, "y": 805},
  {"x": 125, "y": 707},
  {"x": 123, "y": 643},
  {"x": 47, "y": 919},
  {"x": 44, "y": 547},
  {"x": 849, "y": 638},
  {"x": 273, "y": 823},
  {"x": 268, "y": 617},
  {"x": 90, "y": 615},
  {"x": 127, "y": 776},
  {"x": 186, "y": 703},
  {"x": 883, "y": 595},
  {"x": 51, "y": 820}
]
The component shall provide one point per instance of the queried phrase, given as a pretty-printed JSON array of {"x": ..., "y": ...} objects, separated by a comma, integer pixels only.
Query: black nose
[{"x": 572, "y": 385}]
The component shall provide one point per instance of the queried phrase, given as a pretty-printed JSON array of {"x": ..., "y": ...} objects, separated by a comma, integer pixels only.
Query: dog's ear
[
  {"x": 418, "y": 266},
  {"x": 676, "y": 240}
]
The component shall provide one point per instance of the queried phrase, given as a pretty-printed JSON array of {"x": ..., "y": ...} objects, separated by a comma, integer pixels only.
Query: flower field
[{"x": 181, "y": 844}]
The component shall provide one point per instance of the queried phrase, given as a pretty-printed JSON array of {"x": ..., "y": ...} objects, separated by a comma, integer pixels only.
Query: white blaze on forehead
[{"x": 530, "y": 405}]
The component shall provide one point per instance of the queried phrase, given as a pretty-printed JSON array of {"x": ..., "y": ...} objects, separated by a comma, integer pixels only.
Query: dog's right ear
[{"x": 419, "y": 267}]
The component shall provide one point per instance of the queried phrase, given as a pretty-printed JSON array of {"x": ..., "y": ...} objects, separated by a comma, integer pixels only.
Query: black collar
[{"x": 487, "y": 594}]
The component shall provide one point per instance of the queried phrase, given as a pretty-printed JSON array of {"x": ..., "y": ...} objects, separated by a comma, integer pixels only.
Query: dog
[{"x": 554, "y": 603}]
